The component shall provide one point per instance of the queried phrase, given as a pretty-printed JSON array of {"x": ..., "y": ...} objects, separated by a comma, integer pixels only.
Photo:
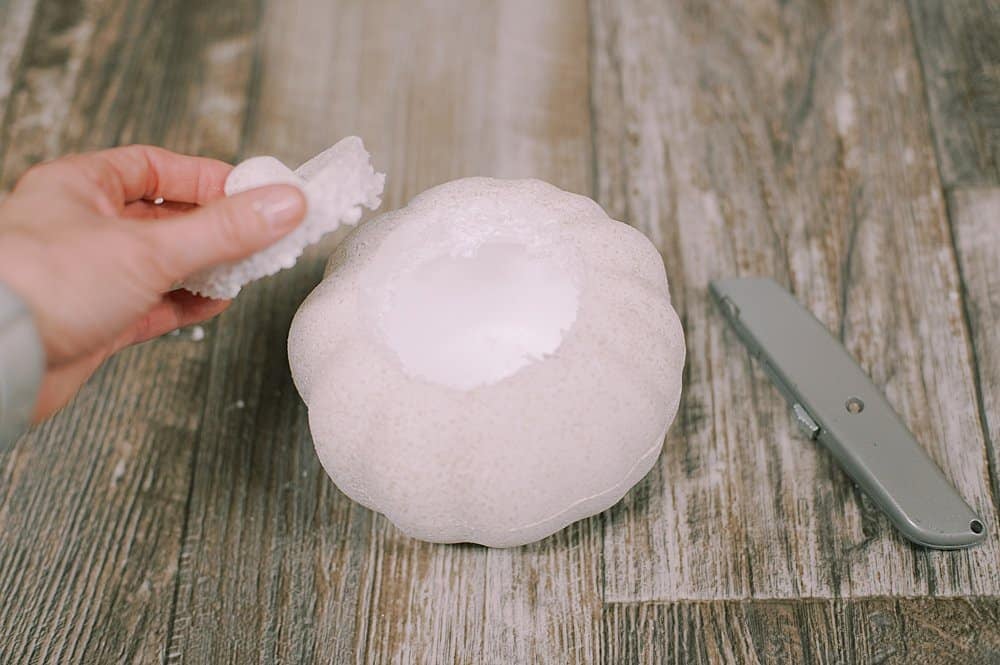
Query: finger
[
  {"x": 177, "y": 309},
  {"x": 61, "y": 383},
  {"x": 118, "y": 176},
  {"x": 148, "y": 172},
  {"x": 227, "y": 230},
  {"x": 143, "y": 209}
]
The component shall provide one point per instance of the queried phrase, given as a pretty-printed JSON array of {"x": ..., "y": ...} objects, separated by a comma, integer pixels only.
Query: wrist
[
  {"x": 23, "y": 271},
  {"x": 22, "y": 364}
]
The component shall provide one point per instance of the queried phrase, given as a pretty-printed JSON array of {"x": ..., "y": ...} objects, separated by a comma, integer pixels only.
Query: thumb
[{"x": 228, "y": 229}]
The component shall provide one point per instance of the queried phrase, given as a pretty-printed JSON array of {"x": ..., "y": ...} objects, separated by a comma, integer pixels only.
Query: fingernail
[{"x": 281, "y": 207}]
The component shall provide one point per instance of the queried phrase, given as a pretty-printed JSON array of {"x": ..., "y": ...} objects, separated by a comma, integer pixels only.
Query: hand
[{"x": 86, "y": 248}]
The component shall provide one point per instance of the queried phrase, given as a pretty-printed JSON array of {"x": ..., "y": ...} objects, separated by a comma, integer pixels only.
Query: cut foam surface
[
  {"x": 336, "y": 183},
  {"x": 472, "y": 319}
]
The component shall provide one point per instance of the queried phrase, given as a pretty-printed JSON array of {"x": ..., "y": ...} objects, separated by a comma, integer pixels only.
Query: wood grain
[
  {"x": 176, "y": 511},
  {"x": 766, "y": 151},
  {"x": 92, "y": 505},
  {"x": 960, "y": 54},
  {"x": 15, "y": 25},
  {"x": 883, "y": 631},
  {"x": 505, "y": 93},
  {"x": 975, "y": 215}
]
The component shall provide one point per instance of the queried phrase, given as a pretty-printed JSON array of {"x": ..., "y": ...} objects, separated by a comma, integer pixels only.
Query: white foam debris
[
  {"x": 158, "y": 201},
  {"x": 240, "y": 404},
  {"x": 197, "y": 333},
  {"x": 118, "y": 473},
  {"x": 844, "y": 111},
  {"x": 336, "y": 183},
  {"x": 899, "y": 74}
]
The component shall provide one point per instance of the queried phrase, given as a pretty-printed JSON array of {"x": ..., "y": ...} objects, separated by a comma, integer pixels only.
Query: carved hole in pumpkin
[{"x": 476, "y": 318}]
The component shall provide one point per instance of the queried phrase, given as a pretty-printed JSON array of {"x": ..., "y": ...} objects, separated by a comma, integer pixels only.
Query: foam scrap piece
[{"x": 336, "y": 183}]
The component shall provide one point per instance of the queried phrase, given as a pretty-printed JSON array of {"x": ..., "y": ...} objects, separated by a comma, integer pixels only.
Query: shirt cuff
[{"x": 22, "y": 364}]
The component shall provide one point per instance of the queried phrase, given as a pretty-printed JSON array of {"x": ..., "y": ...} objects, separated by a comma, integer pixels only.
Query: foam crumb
[
  {"x": 118, "y": 473},
  {"x": 337, "y": 183},
  {"x": 197, "y": 333}
]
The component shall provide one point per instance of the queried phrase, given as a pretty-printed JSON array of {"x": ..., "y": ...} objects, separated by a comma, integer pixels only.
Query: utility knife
[{"x": 835, "y": 403}]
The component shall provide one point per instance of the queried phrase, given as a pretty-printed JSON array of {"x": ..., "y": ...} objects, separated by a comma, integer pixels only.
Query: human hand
[{"x": 84, "y": 245}]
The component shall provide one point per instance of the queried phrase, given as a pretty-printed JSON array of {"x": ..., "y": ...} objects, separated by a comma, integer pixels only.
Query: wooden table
[{"x": 176, "y": 511}]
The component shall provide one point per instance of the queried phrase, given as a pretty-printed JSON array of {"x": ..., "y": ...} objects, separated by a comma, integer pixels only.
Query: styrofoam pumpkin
[{"x": 491, "y": 363}]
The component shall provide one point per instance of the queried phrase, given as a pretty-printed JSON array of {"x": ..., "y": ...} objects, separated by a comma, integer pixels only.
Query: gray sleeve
[{"x": 22, "y": 363}]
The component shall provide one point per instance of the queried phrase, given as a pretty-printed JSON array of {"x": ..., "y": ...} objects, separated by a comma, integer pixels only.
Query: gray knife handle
[{"x": 836, "y": 404}]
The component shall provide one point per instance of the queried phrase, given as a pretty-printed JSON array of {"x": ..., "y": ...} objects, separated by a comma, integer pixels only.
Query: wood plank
[
  {"x": 960, "y": 53},
  {"x": 871, "y": 630},
  {"x": 975, "y": 215},
  {"x": 273, "y": 554},
  {"x": 91, "y": 507},
  {"x": 792, "y": 150},
  {"x": 16, "y": 18},
  {"x": 67, "y": 50},
  {"x": 42, "y": 82},
  {"x": 735, "y": 150},
  {"x": 438, "y": 91},
  {"x": 92, "y": 504},
  {"x": 543, "y": 601}
]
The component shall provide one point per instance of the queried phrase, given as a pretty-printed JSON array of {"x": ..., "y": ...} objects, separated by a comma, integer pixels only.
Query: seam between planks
[
  {"x": 362, "y": 654},
  {"x": 794, "y": 600},
  {"x": 185, "y": 526},
  {"x": 973, "y": 354},
  {"x": 592, "y": 108},
  {"x": 252, "y": 88},
  {"x": 253, "y": 81},
  {"x": 963, "y": 291},
  {"x": 17, "y": 75},
  {"x": 602, "y": 629}
]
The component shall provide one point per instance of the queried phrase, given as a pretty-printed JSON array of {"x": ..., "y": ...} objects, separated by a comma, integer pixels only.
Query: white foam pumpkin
[{"x": 491, "y": 363}]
